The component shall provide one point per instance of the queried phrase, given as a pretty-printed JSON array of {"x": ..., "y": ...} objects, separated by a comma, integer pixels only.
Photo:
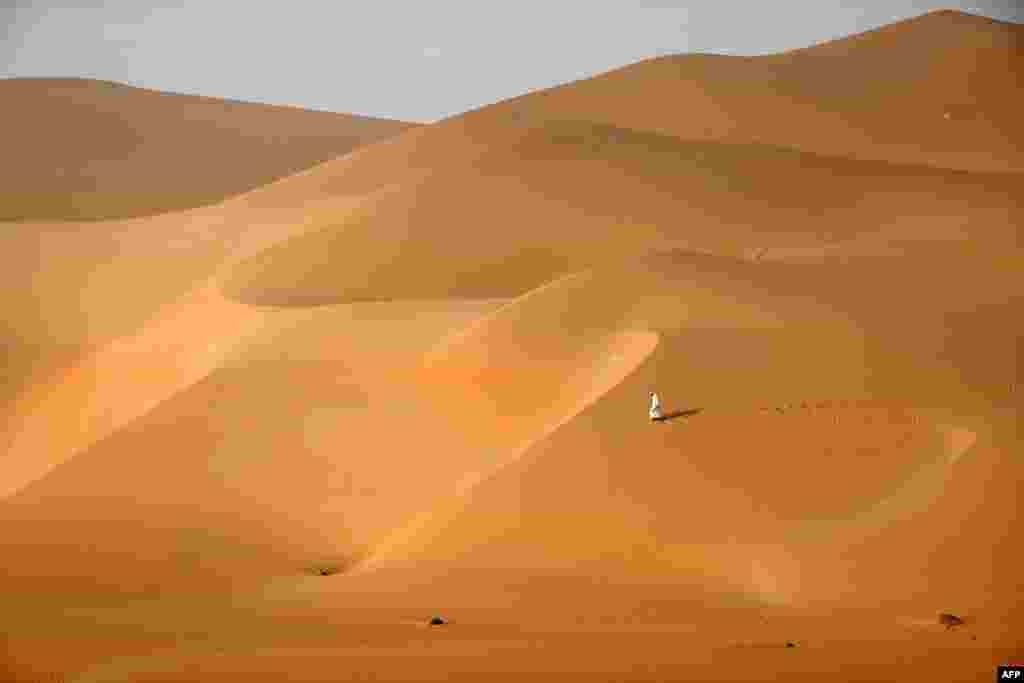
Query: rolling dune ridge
[{"x": 266, "y": 429}]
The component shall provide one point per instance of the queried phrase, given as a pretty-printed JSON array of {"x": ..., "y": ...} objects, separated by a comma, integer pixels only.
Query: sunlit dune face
[
  {"x": 117, "y": 383},
  {"x": 273, "y": 438},
  {"x": 478, "y": 395}
]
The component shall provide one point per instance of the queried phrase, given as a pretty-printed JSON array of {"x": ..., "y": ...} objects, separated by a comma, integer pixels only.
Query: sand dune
[
  {"x": 79, "y": 149},
  {"x": 660, "y": 188},
  {"x": 731, "y": 336},
  {"x": 942, "y": 90},
  {"x": 131, "y": 152},
  {"x": 267, "y": 438}
]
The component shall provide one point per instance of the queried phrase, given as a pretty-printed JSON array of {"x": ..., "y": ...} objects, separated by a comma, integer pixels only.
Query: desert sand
[
  {"x": 269, "y": 434},
  {"x": 82, "y": 149}
]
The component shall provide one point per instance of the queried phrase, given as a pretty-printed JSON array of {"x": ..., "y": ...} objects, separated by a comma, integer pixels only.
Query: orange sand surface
[
  {"x": 263, "y": 430},
  {"x": 81, "y": 149}
]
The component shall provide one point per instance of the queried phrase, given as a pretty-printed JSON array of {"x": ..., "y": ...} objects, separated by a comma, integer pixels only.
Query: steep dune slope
[
  {"x": 751, "y": 348},
  {"x": 607, "y": 179},
  {"x": 74, "y": 293},
  {"x": 70, "y": 290},
  {"x": 209, "y": 455},
  {"x": 88, "y": 150},
  {"x": 928, "y": 63},
  {"x": 422, "y": 369},
  {"x": 816, "y": 479},
  {"x": 574, "y": 194},
  {"x": 80, "y": 150},
  {"x": 810, "y": 498}
]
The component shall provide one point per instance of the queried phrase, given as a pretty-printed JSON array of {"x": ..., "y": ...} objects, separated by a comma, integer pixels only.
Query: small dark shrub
[
  {"x": 950, "y": 620},
  {"x": 324, "y": 570}
]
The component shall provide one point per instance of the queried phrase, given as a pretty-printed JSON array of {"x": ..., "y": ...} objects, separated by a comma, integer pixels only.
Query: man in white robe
[{"x": 655, "y": 410}]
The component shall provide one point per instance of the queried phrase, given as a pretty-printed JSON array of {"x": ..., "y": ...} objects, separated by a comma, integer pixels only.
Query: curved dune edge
[
  {"x": 628, "y": 348},
  {"x": 121, "y": 382},
  {"x": 254, "y": 469},
  {"x": 920, "y": 489},
  {"x": 479, "y": 327},
  {"x": 773, "y": 573},
  {"x": 770, "y": 571},
  {"x": 935, "y": 536},
  {"x": 300, "y": 216},
  {"x": 486, "y": 343},
  {"x": 810, "y": 99},
  {"x": 139, "y": 152},
  {"x": 179, "y": 345},
  {"x": 399, "y": 260}
]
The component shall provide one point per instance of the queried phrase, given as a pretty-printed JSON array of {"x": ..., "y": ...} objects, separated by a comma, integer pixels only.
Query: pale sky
[{"x": 412, "y": 59}]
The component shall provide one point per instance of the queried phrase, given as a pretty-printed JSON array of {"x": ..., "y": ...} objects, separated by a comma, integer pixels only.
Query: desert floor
[{"x": 280, "y": 386}]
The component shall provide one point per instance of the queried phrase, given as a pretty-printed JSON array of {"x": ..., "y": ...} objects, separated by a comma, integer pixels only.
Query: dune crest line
[{"x": 629, "y": 349}]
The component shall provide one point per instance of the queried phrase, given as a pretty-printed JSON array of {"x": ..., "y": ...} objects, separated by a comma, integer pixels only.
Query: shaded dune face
[
  {"x": 685, "y": 511},
  {"x": 94, "y": 150},
  {"x": 308, "y": 386},
  {"x": 552, "y": 221},
  {"x": 132, "y": 152},
  {"x": 413, "y": 381},
  {"x": 778, "y": 470},
  {"x": 940, "y": 91},
  {"x": 110, "y": 386},
  {"x": 839, "y": 458}
]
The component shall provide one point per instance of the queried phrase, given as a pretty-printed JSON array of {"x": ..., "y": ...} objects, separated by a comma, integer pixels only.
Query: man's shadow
[{"x": 689, "y": 412}]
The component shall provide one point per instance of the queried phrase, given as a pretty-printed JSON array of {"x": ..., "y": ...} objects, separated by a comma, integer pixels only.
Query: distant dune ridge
[
  {"x": 267, "y": 433},
  {"x": 80, "y": 149}
]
